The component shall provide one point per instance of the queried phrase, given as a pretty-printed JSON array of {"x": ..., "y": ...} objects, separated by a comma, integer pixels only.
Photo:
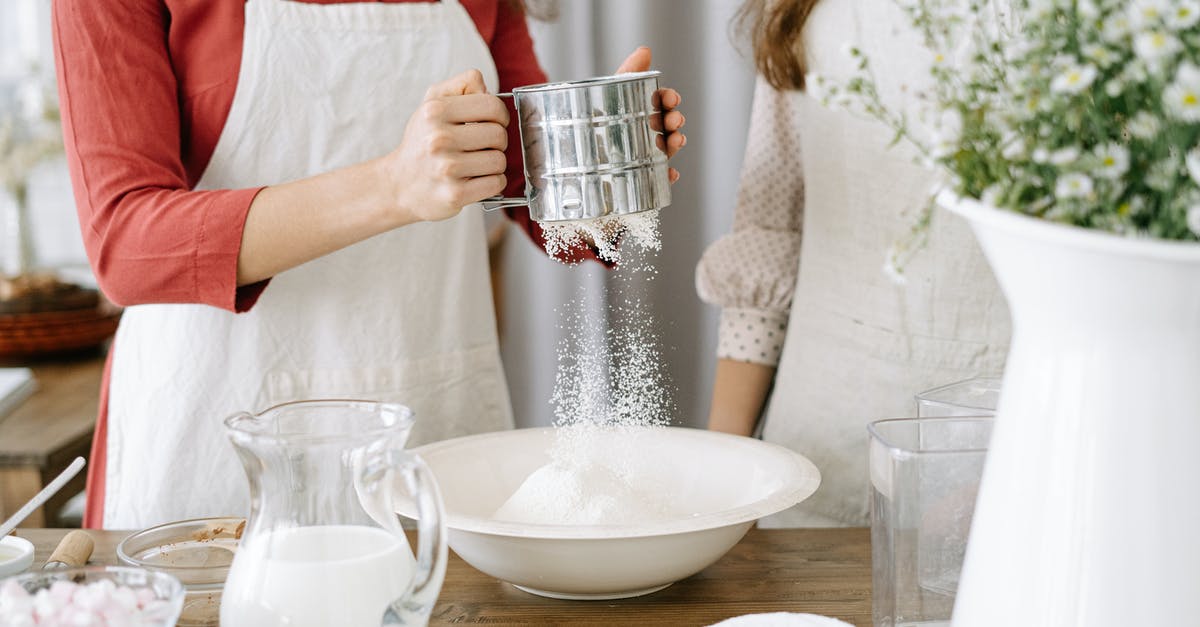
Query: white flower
[
  {"x": 1116, "y": 28},
  {"x": 1155, "y": 45},
  {"x": 1042, "y": 9},
  {"x": 1064, "y": 156},
  {"x": 1114, "y": 88},
  {"x": 1192, "y": 162},
  {"x": 1183, "y": 15},
  {"x": 1162, "y": 175},
  {"x": 1073, "y": 185},
  {"x": 1088, "y": 9},
  {"x": 1135, "y": 73},
  {"x": 1018, "y": 48},
  {"x": 1114, "y": 161},
  {"x": 1181, "y": 98},
  {"x": 1041, "y": 155},
  {"x": 1148, "y": 13},
  {"x": 1074, "y": 79},
  {"x": 1013, "y": 148},
  {"x": 1100, "y": 54},
  {"x": 1187, "y": 72},
  {"x": 1143, "y": 125},
  {"x": 1193, "y": 219}
]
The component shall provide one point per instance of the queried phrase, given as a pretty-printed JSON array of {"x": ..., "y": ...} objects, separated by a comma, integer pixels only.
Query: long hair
[
  {"x": 543, "y": 10},
  {"x": 775, "y": 28}
]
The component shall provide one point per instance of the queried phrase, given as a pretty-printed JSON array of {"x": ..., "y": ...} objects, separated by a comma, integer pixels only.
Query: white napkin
[{"x": 782, "y": 619}]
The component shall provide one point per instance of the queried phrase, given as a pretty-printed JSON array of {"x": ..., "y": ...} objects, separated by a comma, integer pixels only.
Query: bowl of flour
[{"x": 591, "y": 512}]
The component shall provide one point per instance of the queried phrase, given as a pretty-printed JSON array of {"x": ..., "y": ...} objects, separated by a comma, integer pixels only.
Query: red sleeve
[
  {"x": 517, "y": 65},
  {"x": 149, "y": 238}
]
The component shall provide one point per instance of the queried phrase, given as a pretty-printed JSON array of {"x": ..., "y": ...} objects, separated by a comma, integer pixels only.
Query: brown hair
[
  {"x": 543, "y": 10},
  {"x": 775, "y": 28}
]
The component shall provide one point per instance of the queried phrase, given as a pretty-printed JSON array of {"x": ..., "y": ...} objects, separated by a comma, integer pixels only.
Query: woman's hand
[
  {"x": 666, "y": 100},
  {"x": 452, "y": 153}
]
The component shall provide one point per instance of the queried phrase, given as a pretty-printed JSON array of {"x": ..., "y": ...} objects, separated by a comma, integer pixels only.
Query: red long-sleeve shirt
[{"x": 145, "y": 87}]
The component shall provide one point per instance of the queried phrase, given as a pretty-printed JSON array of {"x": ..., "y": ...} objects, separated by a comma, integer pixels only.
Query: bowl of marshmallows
[{"x": 104, "y": 596}]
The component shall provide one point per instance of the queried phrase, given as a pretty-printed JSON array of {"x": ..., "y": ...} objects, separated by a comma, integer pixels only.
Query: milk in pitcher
[{"x": 316, "y": 577}]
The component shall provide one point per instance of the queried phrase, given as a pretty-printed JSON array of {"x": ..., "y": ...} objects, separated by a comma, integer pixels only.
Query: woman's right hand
[{"x": 452, "y": 153}]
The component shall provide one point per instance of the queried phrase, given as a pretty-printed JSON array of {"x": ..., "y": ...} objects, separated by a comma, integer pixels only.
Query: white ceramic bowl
[
  {"x": 16, "y": 555},
  {"x": 722, "y": 484}
]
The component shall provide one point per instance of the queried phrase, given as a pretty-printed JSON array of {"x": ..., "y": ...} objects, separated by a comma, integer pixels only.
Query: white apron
[
  {"x": 858, "y": 345},
  {"x": 405, "y": 316}
]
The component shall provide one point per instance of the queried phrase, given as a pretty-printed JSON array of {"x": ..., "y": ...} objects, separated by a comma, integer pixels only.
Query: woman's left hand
[{"x": 666, "y": 100}]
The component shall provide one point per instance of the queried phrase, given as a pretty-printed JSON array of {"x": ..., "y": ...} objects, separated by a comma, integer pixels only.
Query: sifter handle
[
  {"x": 72, "y": 551},
  {"x": 500, "y": 202}
]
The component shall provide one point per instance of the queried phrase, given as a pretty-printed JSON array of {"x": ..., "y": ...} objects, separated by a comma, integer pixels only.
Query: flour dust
[
  {"x": 614, "y": 237},
  {"x": 612, "y": 385}
]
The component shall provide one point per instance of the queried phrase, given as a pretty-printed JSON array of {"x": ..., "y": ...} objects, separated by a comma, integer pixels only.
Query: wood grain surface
[
  {"x": 44, "y": 434},
  {"x": 820, "y": 571}
]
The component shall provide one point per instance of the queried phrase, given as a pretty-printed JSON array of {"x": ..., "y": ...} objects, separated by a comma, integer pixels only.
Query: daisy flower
[
  {"x": 1073, "y": 185},
  {"x": 1114, "y": 161}
]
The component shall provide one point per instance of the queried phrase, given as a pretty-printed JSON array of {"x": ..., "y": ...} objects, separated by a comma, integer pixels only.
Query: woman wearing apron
[
  {"x": 324, "y": 148},
  {"x": 812, "y": 329}
]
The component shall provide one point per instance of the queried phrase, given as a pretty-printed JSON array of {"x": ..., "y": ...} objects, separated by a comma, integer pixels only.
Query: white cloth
[
  {"x": 859, "y": 345},
  {"x": 405, "y": 316}
]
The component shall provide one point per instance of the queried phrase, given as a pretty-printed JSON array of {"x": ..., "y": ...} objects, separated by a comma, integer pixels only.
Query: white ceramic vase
[{"x": 1089, "y": 513}]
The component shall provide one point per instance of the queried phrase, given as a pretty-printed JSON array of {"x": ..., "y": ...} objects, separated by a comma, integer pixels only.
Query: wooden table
[
  {"x": 822, "y": 571},
  {"x": 46, "y": 432}
]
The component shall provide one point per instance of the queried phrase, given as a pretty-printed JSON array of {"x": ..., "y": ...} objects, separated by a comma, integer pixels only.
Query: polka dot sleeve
[
  {"x": 751, "y": 335},
  {"x": 751, "y": 272}
]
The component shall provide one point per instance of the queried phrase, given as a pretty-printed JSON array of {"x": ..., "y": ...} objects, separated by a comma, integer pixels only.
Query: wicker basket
[{"x": 59, "y": 318}]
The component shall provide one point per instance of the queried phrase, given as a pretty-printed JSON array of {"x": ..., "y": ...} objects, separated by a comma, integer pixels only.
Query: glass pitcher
[{"x": 323, "y": 545}]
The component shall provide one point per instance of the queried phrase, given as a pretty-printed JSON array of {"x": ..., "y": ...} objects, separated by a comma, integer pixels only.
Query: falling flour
[
  {"x": 611, "y": 385},
  {"x": 611, "y": 236}
]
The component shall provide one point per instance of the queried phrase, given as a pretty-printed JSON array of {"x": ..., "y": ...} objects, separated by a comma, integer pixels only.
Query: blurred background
[{"x": 693, "y": 47}]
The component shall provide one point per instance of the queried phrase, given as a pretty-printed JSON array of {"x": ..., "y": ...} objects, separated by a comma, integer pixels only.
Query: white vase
[{"x": 1089, "y": 511}]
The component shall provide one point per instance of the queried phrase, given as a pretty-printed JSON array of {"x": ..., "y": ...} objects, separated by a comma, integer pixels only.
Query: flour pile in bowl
[
  {"x": 611, "y": 384},
  {"x": 590, "y": 482}
]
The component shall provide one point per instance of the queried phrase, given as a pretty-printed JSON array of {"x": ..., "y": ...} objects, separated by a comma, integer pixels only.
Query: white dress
[{"x": 801, "y": 279}]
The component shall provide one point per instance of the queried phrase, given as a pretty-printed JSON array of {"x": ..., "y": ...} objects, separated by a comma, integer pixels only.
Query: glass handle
[{"x": 416, "y": 604}]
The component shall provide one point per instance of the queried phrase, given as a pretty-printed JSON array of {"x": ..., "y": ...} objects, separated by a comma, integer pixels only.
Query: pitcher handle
[{"x": 416, "y": 604}]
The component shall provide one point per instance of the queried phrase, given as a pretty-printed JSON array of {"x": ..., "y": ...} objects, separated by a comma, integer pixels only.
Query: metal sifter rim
[{"x": 588, "y": 82}]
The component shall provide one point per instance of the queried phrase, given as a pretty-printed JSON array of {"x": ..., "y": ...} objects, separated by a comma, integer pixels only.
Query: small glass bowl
[
  {"x": 192, "y": 553},
  {"x": 16, "y": 556},
  {"x": 165, "y": 587}
]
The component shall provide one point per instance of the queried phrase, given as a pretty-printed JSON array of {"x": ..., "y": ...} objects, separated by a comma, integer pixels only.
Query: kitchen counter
[{"x": 822, "y": 571}]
